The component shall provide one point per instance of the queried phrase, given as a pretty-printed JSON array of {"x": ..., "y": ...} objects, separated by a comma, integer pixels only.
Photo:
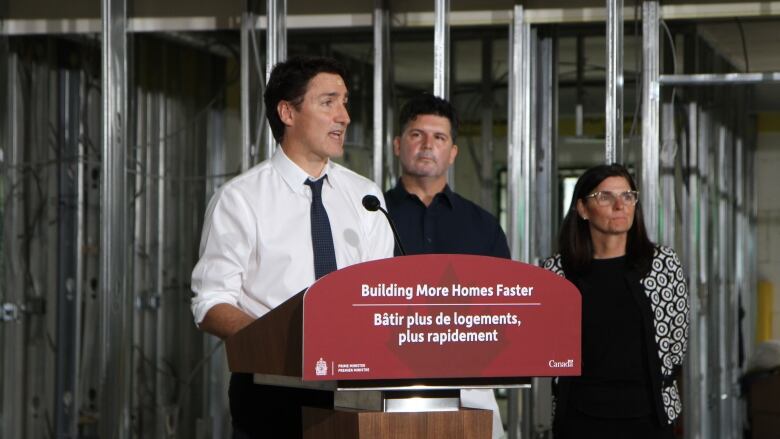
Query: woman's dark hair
[
  {"x": 288, "y": 82},
  {"x": 574, "y": 241}
]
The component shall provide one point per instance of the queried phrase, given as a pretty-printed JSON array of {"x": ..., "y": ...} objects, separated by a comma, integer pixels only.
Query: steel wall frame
[
  {"x": 402, "y": 19},
  {"x": 614, "y": 105},
  {"x": 668, "y": 148},
  {"x": 707, "y": 79},
  {"x": 247, "y": 20},
  {"x": 70, "y": 224},
  {"x": 545, "y": 192},
  {"x": 441, "y": 61},
  {"x": 518, "y": 179},
  {"x": 217, "y": 372},
  {"x": 652, "y": 91},
  {"x": 441, "y": 49},
  {"x": 487, "y": 182},
  {"x": 711, "y": 369},
  {"x": 650, "y": 108},
  {"x": 381, "y": 31},
  {"x": 694, "y": 373},
  {"x": 276, "y": 52},
  {"x": 116, "y": 322},
  {"x": 12, "y": 367}
]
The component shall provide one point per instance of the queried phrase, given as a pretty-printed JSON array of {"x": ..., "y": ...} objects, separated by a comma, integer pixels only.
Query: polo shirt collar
[
  {"x": 294, "y": 176},
  {"x": 446, "y": 193}
]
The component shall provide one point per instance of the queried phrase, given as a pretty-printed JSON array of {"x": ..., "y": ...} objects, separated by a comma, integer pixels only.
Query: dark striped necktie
[{"x": 321, "y": 236}]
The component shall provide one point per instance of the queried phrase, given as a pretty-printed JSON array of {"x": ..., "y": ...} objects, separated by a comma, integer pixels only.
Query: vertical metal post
[
  {"x": 614, "y": 110},
  {"x": 217, "y": 404},
  {"x": 441, "y": 49},
  {"x": 738, "y": 292},
  {"x": 12, "y": 367},
  {"x": 702, "y": 236},
  {"x": 693, "y": 394},
  {"x": 276, "y": 50},
  {"x": 486, "y": 171},
  {"x": 722, "y": 286},
  {"x": 247, "y": 20},
  {"x": 115, "y": 374},
  {"x": 519, "y": 136},
  {"x": 714, "y": 318},
  {"x": 545, "y": 187},
  {"x": 650, "y": 107},
  {"x": 380, "y": 22},
  {"x": 161, "y": 110},
  {"x": 441, "y": 60},
  {"x": 69, "y": 179},
  {"x": 579, "y": 115},
  {"x": 545, "y": 197},
  {"x": 518, "y": 181},
  {"x": 666, "y": 207}
]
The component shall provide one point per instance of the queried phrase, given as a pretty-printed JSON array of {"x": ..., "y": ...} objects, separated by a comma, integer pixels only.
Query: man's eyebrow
[
  {"x": 333, "y": 94},
  {"x": 434, "y": 131}
]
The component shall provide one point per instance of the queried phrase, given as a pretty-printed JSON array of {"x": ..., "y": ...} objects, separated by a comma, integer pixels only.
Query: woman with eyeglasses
[{"x": 634, "y": 315}]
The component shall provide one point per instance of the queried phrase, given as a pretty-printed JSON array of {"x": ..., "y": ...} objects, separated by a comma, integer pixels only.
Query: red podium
[{"x": 396, "y": 339}]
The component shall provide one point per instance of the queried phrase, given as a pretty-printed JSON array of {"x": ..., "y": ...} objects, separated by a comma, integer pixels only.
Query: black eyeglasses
[{"x": 607, "y": 198}]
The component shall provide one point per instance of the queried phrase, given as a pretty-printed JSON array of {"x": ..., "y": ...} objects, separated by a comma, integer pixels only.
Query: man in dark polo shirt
[{"x": 430, "y": 217}]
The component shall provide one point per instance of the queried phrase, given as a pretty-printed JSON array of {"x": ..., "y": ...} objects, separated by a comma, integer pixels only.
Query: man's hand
[{"x": 224, "y": 320}]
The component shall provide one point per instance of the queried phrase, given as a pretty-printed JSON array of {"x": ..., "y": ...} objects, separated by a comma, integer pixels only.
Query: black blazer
[{"x": 663, "y": 298}]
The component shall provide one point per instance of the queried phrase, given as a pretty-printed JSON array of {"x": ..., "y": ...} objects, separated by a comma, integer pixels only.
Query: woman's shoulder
[
  {"x": 554, "y": 263},
  {"x": 665, "y": 259},
  {"x": 664, "y": 252}
]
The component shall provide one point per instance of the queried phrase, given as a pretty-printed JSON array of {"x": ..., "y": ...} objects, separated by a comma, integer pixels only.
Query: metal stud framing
[
  {"x": 380, "y": 25},
  {"x": 276, "y": 50},
  {"x": 441, "y": 49},
  {"x": 70, "y": 226},
  {"x": 518, "y": 181},
  {"x": 719, "y": 162},
  {"x": 115, "y": 375},
  {"x": 614, "y": 110},
  {"x": 650, "y": 108},
  {"x": 247, "y": 20},
  {"x": 12, "y": 367}
]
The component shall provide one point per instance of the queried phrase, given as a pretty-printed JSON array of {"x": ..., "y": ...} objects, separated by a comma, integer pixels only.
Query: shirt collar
[
  {"x": 446, "y": 193},
  {"x": 294, "y": 176}
]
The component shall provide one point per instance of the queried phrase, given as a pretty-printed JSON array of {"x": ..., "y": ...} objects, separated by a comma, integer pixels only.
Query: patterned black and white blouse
[{"x": 667, "y": 293}]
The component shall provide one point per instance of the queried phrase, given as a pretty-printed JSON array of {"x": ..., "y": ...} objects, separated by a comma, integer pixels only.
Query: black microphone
[{"x": 371, "y": 203}]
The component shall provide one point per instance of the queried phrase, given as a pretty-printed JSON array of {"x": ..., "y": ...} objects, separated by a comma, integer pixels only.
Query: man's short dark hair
[
  {"x": 425, "y": 104},
  {"x": 289, "y": 81}
]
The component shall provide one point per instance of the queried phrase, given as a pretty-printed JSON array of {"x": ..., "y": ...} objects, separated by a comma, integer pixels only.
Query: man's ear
[
  {"x": 285, "y": 111},
  {"x": 397, "y": 146},
  {"x": 453, "y": 153}
]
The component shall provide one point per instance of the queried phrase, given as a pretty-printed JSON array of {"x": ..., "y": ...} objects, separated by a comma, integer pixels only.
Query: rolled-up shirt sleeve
[{"x": 227, "y": 246}]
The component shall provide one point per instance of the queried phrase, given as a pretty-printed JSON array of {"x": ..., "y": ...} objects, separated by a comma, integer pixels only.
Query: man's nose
[
  {"x": 342, "y": 115},
  {"x": 425, "y": 141}
]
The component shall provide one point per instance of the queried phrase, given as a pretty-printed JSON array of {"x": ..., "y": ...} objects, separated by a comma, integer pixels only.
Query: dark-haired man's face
[
  {"x": 426, "y": 147},
  {"x": 316, "y": 128}
]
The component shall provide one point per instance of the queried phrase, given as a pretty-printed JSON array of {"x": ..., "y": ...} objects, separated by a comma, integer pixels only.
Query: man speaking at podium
[{"x": 273, "y": 230}]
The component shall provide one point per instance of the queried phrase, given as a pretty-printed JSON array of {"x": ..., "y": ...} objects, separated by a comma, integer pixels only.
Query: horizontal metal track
[{"x": 398, "y": 20}]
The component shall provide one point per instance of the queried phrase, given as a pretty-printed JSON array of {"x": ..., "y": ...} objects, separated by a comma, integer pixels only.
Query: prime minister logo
[{"x": 321, "y": 369}]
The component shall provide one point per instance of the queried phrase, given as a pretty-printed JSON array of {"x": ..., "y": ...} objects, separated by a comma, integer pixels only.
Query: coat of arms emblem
[{"x": 322, "y": 367}]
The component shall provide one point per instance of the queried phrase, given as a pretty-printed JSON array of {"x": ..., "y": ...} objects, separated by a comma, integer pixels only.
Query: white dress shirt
[{"x": 256, "y": 250}]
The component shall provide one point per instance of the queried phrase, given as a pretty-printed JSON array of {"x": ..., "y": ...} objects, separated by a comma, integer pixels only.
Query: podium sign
[{"x": 440, "y": 316}]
